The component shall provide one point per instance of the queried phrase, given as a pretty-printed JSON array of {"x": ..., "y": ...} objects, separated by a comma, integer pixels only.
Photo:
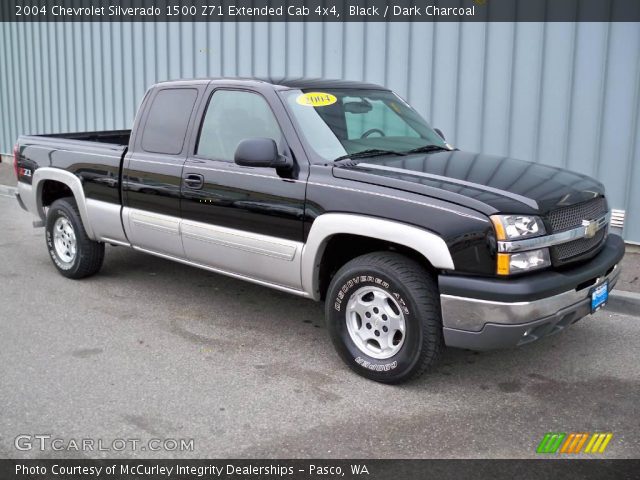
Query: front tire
[
  {"x": 383, "y": 316},
  {"x": 73, "y": 253}
]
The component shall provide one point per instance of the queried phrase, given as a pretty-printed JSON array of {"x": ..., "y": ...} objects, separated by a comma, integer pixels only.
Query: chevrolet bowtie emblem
[{"x": 590, "y": 228}]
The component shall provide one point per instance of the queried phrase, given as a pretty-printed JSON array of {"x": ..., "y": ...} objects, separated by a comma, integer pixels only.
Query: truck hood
[{"x": 488, "y": 183}]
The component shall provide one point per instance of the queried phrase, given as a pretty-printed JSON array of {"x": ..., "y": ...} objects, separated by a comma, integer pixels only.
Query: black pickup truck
[{"x": 336, "y": 191}]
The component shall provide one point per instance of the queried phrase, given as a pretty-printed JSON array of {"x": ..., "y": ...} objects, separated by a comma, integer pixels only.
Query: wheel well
[
  {"x": 342, "y": 248},
  {"x": 53, "y": 190}
]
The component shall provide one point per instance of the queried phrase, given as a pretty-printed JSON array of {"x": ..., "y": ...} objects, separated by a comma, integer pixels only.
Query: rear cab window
[{"x": 168, "y": 120}]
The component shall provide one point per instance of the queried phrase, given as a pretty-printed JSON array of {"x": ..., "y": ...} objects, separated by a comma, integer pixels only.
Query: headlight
[
  {"x": 510, "y": 263},
  {"x": 515, "y": 227}
]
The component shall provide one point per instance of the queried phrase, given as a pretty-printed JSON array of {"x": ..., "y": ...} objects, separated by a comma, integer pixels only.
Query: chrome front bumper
[{"x": 483, "y": 324}]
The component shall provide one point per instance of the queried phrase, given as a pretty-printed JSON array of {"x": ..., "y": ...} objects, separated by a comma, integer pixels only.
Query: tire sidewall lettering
[
  {"x": 49, "y": 237},
  {"x": 379, "y": 367},
  {"x": 361, "y": 280}
]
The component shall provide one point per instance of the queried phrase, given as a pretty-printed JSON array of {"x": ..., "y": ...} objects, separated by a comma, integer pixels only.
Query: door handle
[{"x": 193, "y": 181}]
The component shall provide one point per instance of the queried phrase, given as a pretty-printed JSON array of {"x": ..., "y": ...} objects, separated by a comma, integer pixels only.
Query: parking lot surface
[{"x": 150, "y": 349}]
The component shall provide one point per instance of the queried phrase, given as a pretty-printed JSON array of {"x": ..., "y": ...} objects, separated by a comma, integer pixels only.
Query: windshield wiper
[
  {"x": 372, "y": 152},
  {"x": 427, "y": 149}
]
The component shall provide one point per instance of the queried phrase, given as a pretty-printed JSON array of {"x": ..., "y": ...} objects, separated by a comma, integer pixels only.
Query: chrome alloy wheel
[
  {"x": 64, "y": 240},
  {"x": 375, "y": 322}
]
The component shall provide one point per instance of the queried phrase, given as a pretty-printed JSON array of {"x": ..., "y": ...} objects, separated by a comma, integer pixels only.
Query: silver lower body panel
[
  {"x": 106, "y": 222},
  {"x": 482, "y": 325}
]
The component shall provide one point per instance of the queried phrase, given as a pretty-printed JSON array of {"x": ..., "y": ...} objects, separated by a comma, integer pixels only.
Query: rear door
[
  {"x": 246, "y": 221},
  {"x": 152, "y": 172}
]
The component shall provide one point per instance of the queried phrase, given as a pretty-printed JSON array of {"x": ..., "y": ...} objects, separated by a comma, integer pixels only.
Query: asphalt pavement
[
  {"x": 7, "y": 177},
  {"x": 151, "y": 349}
]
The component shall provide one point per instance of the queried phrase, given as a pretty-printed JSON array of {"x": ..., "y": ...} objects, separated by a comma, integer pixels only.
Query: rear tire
[
  {"x": 73, "y": 253},
  {"x": 383, "y": 315}
]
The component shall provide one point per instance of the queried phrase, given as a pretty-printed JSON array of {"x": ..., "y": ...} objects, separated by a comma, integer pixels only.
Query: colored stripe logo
[{"x": 556, "y": 442}]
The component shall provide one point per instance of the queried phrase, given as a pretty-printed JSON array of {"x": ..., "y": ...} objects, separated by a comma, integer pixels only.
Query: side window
[
  {"x": 231, "y": 117},
  {"x": 379, "y": 116},
  {"x": 168, "y": 120}
]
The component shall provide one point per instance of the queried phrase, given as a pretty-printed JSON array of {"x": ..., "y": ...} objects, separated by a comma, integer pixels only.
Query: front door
[{"x": 246, "y": 221}]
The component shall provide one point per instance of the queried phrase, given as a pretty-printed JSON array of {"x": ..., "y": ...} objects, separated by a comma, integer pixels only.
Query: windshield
[{"x": 342, "y": 122}]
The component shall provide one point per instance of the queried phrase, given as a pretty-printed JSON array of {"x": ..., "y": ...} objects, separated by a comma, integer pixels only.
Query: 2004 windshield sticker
[{"x": 316, "y": 99}]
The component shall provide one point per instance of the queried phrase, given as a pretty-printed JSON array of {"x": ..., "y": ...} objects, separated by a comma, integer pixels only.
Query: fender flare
[
  {"x": 71, "y": 181},
  {"x": 431, "y": 246}
]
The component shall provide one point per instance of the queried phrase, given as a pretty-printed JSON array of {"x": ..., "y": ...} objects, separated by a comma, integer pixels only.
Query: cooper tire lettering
[{"x": 385, "y": 367}]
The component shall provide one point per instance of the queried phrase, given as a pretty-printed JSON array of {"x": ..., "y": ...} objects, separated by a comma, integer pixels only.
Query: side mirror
[
  {"x": 439, "y": 132},
  {"x": 260, "y": 152}
]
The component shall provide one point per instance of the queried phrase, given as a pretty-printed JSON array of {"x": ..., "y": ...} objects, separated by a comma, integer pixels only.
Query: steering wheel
[{"x": 372, "y": 130}]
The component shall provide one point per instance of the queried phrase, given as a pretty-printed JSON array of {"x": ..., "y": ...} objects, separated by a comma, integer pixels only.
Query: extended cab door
[
  {"x": 246, "y": 221},
  {"x": 152, "y": 170}
]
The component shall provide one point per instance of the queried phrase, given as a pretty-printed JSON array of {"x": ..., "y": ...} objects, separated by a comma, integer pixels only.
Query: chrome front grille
[
  {"x": 567, "y": 218},
  {"x": 566, "y": 251}
]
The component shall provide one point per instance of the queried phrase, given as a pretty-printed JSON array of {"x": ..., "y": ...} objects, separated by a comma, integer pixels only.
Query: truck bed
[
  {"x": 71, "y": 151},
  {"x": 94, "y": 157},
  {"x": 115, "y": 137}
]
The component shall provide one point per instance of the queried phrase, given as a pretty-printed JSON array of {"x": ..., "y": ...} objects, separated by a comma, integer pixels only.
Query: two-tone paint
[
  {"x": 239, "y": 220},
  {"x": 271, "y": 226}
]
